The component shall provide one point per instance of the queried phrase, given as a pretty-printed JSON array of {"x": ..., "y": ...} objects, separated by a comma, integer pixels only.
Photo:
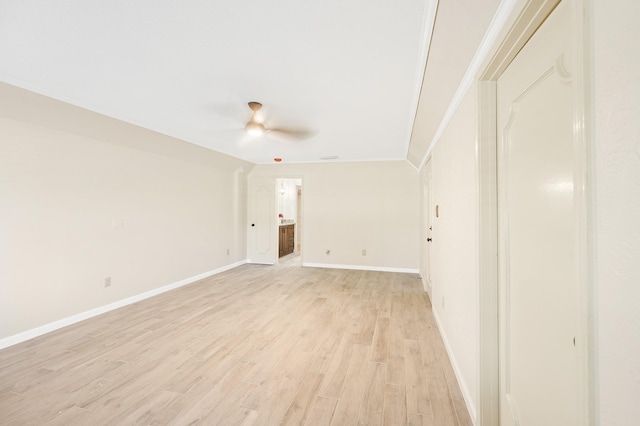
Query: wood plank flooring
[{"x": 257, "y": 345}]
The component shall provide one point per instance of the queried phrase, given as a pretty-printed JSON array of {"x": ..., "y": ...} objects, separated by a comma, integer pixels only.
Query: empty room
[{"x": 287, "y": 212}]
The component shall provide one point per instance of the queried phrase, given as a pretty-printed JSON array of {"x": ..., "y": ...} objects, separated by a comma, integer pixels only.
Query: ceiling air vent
[{"x": 329, "y": 157}]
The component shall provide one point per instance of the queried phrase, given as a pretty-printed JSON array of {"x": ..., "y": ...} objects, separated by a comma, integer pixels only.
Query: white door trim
[
  {"x": 427, "y": 222},
  {"x": 526, "y": 17}
]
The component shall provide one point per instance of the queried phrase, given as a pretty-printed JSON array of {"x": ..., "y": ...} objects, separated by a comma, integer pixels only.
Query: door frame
[
  {"x": 525, "y": 18},
  {"x": 427, "y": 222},
  {"x": 275, "y": 177}
]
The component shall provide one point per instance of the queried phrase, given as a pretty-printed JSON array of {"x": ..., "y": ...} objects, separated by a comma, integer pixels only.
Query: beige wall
[
  {"x": 454, "y": 246},
  {"x": 617, "y": 149},
  {"x": 66, "y": 174},
  {"x": 348, "y": 207}
]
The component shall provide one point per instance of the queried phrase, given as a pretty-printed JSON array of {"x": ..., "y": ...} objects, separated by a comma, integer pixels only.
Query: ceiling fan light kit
[{"x": 254, "y": 128}]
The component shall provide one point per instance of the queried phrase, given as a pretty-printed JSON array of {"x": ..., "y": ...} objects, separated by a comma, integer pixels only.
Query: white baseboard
[
  {"x": 426, "y": 285},
  {"x": 463, "y": 385},
  {"x": 360, "y": 267},
  {"x": 47, "y": 328}
]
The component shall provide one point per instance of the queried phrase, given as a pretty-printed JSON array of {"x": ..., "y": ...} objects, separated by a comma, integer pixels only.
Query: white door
[
  {"x": 262, "y": 237},
  {"x": 428, "y": 211},
  {"x": 537, "y": 256}
]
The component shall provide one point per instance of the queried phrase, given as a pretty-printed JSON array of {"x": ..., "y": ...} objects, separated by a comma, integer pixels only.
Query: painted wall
[
  {"x": 450, "y": 52},
  {"x": 84, "y": 197},
  {"x": 617, "y": 134},
  {"x": 454, "y": 246},
  {"x": 350, "y": 207}
]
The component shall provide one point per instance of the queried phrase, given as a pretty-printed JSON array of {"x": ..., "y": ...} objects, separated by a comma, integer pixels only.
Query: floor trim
[
  {"x": 463, "y": 385},
  {"x": 64, "y": 322}
]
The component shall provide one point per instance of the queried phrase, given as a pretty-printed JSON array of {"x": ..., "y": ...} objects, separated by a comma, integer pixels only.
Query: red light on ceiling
[{"x": 277, "y": 159}]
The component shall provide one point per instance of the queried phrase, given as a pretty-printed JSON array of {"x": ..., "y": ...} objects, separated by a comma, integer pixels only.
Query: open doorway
[{"x": 289, "y": 205}]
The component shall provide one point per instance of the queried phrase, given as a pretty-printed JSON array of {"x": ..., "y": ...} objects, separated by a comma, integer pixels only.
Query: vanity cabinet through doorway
[{"x": 286, "y": 240}]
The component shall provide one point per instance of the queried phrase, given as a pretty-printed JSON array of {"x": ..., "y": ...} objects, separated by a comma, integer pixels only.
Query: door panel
[
  {"x": 262, "y": 234},
  {"x": 537, "y": 259},
  {"x": 428, "y": 211}
]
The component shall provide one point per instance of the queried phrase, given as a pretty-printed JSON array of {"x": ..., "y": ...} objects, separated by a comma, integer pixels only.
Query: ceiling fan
[{"x": 256, "y": 127}]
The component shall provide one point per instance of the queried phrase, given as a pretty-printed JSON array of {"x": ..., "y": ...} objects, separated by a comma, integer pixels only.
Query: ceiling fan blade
[{"x": 290, "y": 134}]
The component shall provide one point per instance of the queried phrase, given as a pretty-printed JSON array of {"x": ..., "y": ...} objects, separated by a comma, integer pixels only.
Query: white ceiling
[{"x": 348, "y": 71}]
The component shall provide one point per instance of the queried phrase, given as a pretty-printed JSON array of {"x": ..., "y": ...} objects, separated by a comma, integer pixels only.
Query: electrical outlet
[
  {"x": 328, "y": 252},
  {"x": 364, "y": 252},
  {"x": 107, "y": 282},
  {"x": 227, "y": 252}
]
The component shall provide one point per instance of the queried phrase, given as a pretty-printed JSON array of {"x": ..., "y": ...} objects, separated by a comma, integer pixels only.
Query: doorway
[
  {"x": 289, "y": 216},
  {"x": 536, "y": 273},
  {"x": 534, "y": 346},
  {"x": 274, "y": 208}
]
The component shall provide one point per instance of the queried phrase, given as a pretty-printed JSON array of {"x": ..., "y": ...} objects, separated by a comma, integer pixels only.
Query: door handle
[{"x": 429, "y": 239}]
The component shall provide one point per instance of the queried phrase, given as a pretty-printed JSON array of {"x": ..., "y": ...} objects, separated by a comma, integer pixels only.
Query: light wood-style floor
[{"x": 255, "y": 345}]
